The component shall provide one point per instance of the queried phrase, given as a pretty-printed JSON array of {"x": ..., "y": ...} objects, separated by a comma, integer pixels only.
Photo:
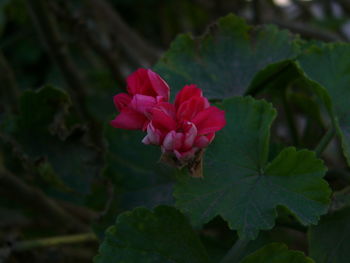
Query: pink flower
[
  {"x": 145, "y": 90},
  {"x": 182, "y": 129},
  {"x": 186, "y": 127}
]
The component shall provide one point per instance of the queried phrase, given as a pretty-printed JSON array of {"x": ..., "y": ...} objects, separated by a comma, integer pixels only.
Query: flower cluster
[{"x": 181, "y": 129}]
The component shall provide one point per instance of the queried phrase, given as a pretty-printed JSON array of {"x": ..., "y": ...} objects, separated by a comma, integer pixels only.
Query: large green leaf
[
  {"x": 230, "y": 58},
  {"x": 134, "y": 168},
  {"x": 40, "y": 108},
  {"x": 56, "y": 152},
  {"x": 328, "y": 67},
  {"x": 329, "y": 241},
  {"x": 144, "y": 236},
  {"x": 277, "y": 253},
  {"x": 138, "y": 178},
  {"x": 241, "y": 186}
]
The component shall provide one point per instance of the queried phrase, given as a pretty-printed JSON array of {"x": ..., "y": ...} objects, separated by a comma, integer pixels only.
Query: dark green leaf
[
  {"x": 277, "y": 253},
  {"x": 241, "y": 186},
  {"x": 328, "y": 68},
  {"x": 56, "y": 152},
  {"x": 340, "y": 199},
  {"x": 135, "y": 170},
  {"x": 39, "y": 108},
  {"x": 329, "y": 240},
  {"x": 226, "y": 60},
  {"x": 144, "y": 236},
  {"x": 138, "y": 178}
]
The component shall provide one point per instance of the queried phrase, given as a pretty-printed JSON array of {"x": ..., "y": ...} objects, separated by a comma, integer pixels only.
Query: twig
[
  {"x": 256, "y": 12},
  {"x": 35, "y": 199},
  {"x": 50, "y": 35},
  {"x": 109, "y": 57},
  {"x": 53, "y": 241},
  {"x": 9, "y": 89},
  {"x": 307, "y": 31},
  {"x": 79, "y": 26},
  {"x": 84, "y": 214},
  {"x": 304, "y": 8},
  {"x": 5, "y": 252},
  {"x": 49, "y": 32},
  {"x": 132, "y": 43}
]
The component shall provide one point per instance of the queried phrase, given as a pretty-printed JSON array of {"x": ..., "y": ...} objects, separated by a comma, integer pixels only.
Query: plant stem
[
  {"x": 235, "y": 252},
  {"x": 324, "y": 141},
  {"x": 91, "y": 37},
  {"x": 290, "y": 119},
  {"x": 54, "y": 241},
  {"x": 132, "y": 43},
  {"x": 49, "y": 32}
]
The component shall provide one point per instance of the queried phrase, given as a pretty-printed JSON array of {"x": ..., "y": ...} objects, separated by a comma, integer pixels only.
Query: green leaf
[
  {"x": 340, "y": 199},
  {"x": 329, "y": 240},
  {"x": 39, "y": 108},
  {"x": 135, "y": 170},
  {"x": 277, "y": 253},
  {"x": 228, "y": 59},
  {"x": 241, "y": 186},
  {"x": 56, "y": 152},
  {"x": 144, "y": 236},
  {"x": 328, "y": 68},
  {"x": 139, "y": 179}
]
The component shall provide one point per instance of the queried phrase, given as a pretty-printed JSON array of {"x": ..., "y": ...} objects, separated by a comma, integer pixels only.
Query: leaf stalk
[
  {"x": 235, "y": 252},
  {"x": 325, "y": 140}
]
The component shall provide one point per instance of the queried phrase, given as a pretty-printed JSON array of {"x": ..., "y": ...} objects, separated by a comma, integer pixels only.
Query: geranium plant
[
  {"x": 248, "y": 180},
  {"x": 182, "y": 129},
  {"x": 233, "y": 147}
]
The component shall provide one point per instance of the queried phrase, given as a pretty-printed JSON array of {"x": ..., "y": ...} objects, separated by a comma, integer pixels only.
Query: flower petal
[
  {"x": 173, "y": 140},
  {"x": 139, "y": 83},
  {"x": 168, "y": 108},
  {"x": 153, "y": 136},
  {"x": 121, "y": 100},
  {"x": 159, "y": 85},
  {"x": 186, "y": 93},
  {"x": 168, "y": 143},
  {"x": 190, "y": 135},
  {"x": 204, "y": 140},
  {"x": 190, "y": 108},
  {"x": 142, "y": 103},
  {"x": 162, "y": 120},
  {"x": 129, "y": 119},
  {"x": 210, "y": 120}
]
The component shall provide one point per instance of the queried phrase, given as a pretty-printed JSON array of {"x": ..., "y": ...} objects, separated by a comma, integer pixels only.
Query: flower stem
[
  {"x": 324, "y": 141},
  {"x": 235, "y": 252}
]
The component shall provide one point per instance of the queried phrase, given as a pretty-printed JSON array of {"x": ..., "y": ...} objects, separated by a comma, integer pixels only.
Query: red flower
[
  {"x": 181, "y": 129},
  {"x": 145, "y": 90},
  {"x": 184, "y": 128}
]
